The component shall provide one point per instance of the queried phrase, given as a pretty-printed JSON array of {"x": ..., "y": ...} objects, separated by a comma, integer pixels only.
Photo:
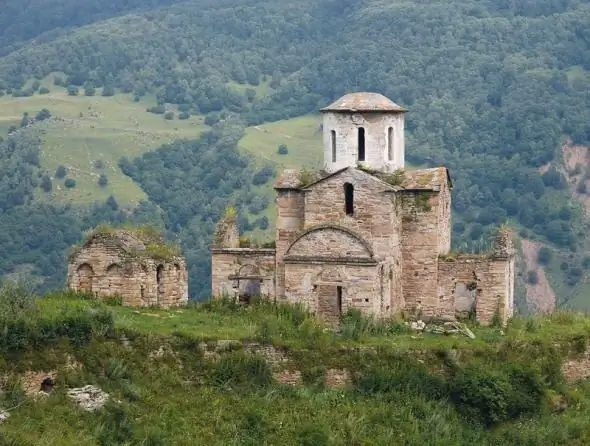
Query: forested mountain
[{"x": 493, "y": 88}]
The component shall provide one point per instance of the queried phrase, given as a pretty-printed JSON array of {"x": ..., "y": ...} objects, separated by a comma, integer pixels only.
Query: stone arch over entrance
[
  {"x": 85, "y": 275},
  {"x": 329, "y": 241}
]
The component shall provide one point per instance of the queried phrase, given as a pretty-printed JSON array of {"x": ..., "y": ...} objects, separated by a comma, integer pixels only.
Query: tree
[
  {"x": 43, "y": 115},
  {"x": 108, "y": 90},
  {"x": 72, "y": 90},
  {"x": 169, "y": 115},
  {"x": 544, "y": 256},
  {"x": 44, "y": 90},
  {"x": 60, "y": 172},
  {"x": 46, "y": 183},
  {"x": 532, "y": 278},
  {"x": 89, "y": 90},
  {"x": 25, "y": 120},
  {"x": 103, "y": 180},
  {"x": 283, "y": 150},
  {"x": 112, "y": 203}
]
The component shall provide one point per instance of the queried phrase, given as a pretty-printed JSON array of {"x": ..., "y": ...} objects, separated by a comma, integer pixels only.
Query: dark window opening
[
  {"x": 390, "y": 144},
  {"x": 333, "y": 136},
  {"x": 339, "y": 299},
  {"x": 160, "y": 282},
  {"x": 349, "y": 198},
  {"x": 361, "y": 136}
]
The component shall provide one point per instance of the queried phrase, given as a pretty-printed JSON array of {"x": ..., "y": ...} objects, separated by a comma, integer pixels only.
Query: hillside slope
[{"x": 220, "y": 374}]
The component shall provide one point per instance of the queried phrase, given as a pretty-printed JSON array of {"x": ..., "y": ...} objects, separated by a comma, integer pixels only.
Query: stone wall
[
  {"x": 243, "y": 270},
  {"x": 376, "y": 125},
  {"x": 420, "y": 250},
  {"x": 104, "y": 269},
  {"x": 479, "y": 280},
  {"x": 290, "y": 217},
  {"x": 332, "y": 289}
]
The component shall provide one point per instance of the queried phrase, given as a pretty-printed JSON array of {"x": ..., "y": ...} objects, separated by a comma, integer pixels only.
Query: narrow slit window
[
  {"x": 361, "y": 144},
  {"x": 333, "y": 139},
  {"x": 349, "y": 198},
  {"x": 390, "y": 143}
]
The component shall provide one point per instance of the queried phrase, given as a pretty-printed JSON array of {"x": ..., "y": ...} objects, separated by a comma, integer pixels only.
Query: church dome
[{"x": 363, "y": 102}]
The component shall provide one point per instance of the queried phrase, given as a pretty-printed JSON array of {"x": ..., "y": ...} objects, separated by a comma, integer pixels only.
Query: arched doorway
[
  {"x": 114, "y": 279},
  {"x": 85, "y": 275}
]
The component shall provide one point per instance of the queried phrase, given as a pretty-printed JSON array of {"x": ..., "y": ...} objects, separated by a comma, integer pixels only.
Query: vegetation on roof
[
  {"x": 395, "y": 178},
  {"x": 150, "y": 236}
]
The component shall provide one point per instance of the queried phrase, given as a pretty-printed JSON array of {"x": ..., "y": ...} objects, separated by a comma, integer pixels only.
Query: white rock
[
  {"x": 3, "y": 416},
  {"x": 89, "y": 397}
]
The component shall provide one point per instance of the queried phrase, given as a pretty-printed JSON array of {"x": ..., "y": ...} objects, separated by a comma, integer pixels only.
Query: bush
[
  {"x": 70, "y": 183},
  {"x": 169, "y": 116},
  {"x": 263, "y": 175},
  {"x": 493, "y": 396},
  {"x": 103, "y": 180},
  {"x": 44, "y": 90},
  {"x": 544, "y": 256},
  {"x": 283, "y": 150},
  {"x": 532, "y": 277},
  {"x": 60, "y": 172}
]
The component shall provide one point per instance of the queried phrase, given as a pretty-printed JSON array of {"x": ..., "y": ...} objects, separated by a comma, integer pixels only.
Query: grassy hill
[{"x": 219, "y": 374}]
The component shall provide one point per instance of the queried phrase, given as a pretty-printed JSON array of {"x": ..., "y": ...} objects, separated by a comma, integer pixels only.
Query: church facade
[{"x": 365, "y": 233}]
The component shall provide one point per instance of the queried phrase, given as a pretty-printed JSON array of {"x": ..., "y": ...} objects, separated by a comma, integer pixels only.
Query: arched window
[
  {"x": 390, "y": 143},
  {"x": 333, "y": 139},
  {"x": 361, "y": 144},
  {"x": 349, "y": 198}
]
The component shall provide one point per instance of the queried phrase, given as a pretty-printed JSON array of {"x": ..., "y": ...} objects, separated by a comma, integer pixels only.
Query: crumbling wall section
[
  {"x": 104, "y": 269},
  {"x": 476, "y": 284},
  {"x": 420, "y": 250},
  {"x": 242, "y": 270}
]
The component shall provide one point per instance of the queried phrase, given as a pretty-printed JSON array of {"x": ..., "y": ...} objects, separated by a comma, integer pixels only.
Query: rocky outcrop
[{"x": 89, "y": 398}]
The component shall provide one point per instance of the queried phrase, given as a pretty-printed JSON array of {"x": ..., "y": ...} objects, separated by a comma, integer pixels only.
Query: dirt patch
[
  {"x": 31, "y": 381},
  {"x": 540, "y": 296}
]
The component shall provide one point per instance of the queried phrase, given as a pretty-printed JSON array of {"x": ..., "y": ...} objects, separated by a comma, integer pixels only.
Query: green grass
[
  {"x": 94, "y": 128},
  {"x": 186, "y": 398}
]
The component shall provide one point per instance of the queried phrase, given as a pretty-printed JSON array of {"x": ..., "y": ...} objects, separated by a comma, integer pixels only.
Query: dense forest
[{"x": 493, "y": 88}]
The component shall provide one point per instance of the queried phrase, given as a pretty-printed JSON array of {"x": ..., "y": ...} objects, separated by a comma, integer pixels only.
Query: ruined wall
[
  {"x": 479, "y": 281},
  {"x": 290, "y": 217},
  {"x": 316, "y": 286},
  {"x": 444, "y": 219},
  {"x": 420, "y": 249},
  {"x": 376, "y": 125},
  {"x": 243, "y": 270},
  {"x": 104, "y": 269}
]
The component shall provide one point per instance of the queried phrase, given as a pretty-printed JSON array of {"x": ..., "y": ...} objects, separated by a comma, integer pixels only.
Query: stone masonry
[
  {"x": 135, "y": 265},
  {"x": 365, "y": 233}
]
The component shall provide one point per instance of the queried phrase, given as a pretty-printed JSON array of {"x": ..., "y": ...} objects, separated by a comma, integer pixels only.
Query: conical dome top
[{"x": 363, "y": 102}]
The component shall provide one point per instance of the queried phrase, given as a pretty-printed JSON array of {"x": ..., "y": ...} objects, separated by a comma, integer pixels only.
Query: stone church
[
  {"x": 134, "y": 264},
  {"x": 365, "y": 233}
]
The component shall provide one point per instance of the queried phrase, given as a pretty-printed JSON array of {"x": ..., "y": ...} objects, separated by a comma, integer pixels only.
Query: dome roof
[{"x": 363, "y": 101}]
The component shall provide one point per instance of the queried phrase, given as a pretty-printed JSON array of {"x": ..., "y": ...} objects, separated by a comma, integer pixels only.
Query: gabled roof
[
  {"x": 363, "y": 102},
  {"x": 384, "y": 184},
  {"x": 427, "y": 179}
]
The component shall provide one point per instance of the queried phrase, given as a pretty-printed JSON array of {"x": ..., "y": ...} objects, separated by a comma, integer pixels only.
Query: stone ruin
[{"x": 134, "y": 264}]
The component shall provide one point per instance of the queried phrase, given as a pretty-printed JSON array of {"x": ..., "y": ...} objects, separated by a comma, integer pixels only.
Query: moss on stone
[
  {"x": 151, "y": 238},
  {"x": 394, "y": 179}
]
